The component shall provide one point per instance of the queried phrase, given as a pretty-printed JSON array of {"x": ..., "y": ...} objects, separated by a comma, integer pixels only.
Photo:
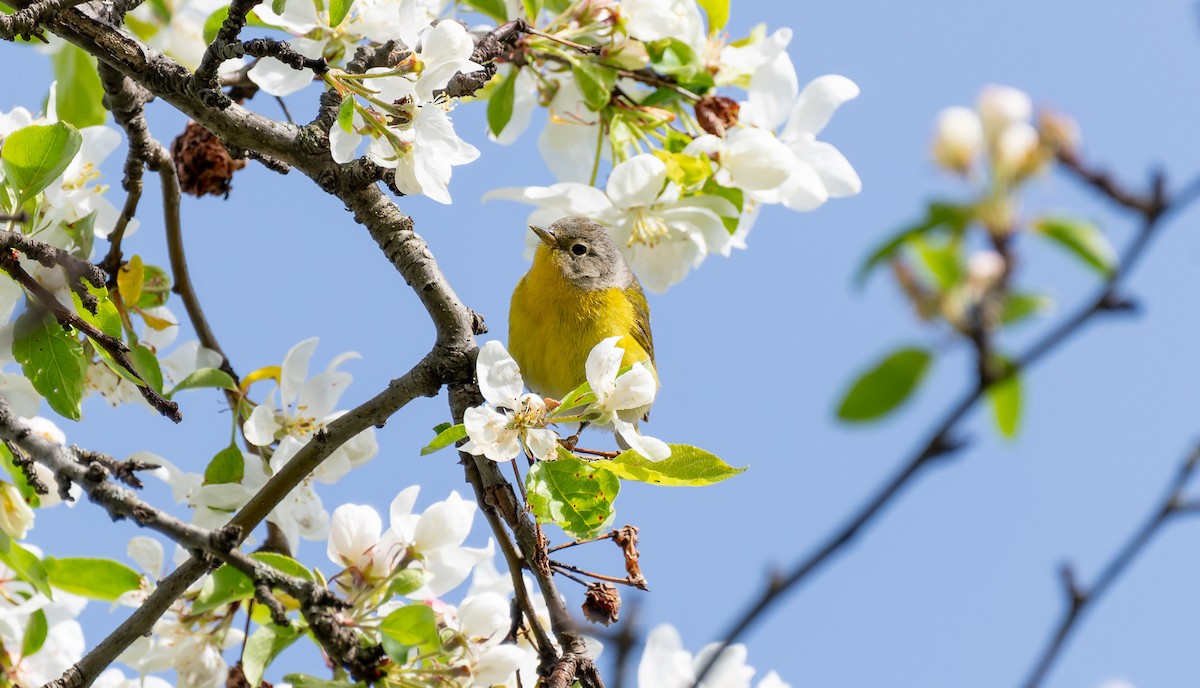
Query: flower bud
[
  {"x": 1058, "y": 131},
  {"x": 1016, "y": 150},
  {"x": 985, "y": 269},
  {"x": 1000, "y": 106},
  {"x": 15, "y": 515},
  {"x": 958, "y": 139}
]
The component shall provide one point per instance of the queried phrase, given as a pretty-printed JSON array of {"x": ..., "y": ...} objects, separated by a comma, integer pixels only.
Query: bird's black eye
[{"x": 579, "y": 249}]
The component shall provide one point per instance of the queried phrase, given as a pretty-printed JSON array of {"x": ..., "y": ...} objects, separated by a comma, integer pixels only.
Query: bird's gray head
[{"x": 585, "y": 253}]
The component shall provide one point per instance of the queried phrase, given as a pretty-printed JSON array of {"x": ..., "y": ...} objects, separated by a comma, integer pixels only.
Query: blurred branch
[
  {"x": 1079, "y": 599},
  {"x": 1153, "y": 207}
]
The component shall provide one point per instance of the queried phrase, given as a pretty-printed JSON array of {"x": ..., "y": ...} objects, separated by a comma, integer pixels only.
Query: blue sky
[{"x": 957, "y": 584}]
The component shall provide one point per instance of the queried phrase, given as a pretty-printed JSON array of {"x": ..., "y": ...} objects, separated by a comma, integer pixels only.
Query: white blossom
[{"x": 509, "y": 417}]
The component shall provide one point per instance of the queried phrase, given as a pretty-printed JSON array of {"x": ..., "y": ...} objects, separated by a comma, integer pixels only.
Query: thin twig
[
  {"x": 1079, "y": 599},
  {"x": 641, "y": 585},
  {"x": 1154, "y": 207}
]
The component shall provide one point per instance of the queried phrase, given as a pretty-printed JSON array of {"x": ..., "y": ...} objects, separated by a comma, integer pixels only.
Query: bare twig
[
  {"x": 1079, "y": 599},
  {"x": 1153, "y": 208}
]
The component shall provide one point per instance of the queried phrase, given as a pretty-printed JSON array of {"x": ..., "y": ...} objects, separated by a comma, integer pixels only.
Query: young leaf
[
  {"x": 107, "y": 318},
  {"x": 575, "y": 495},
  {"x": 82, "y": 233},
  {"x": 533, "y": 8},
  {"x": 338, "y": 9},
  {"x": 306, "y": 681},
  {"x": 413, "y": 625},
  {"x": 942, "y": 261},
  {"x": 99, "y": 579},
  {"x": 445, "y": 438},
  {"x": 35, "y": 633},
  {"x": 1019, "y": 306},
  {"x": 346, "y": 114},
  {"x": 129, "y": 280},
  {"x": 25, "y": 565},
  {"x": 36, "y": 155},
  {"x": 146, "y": 364},
  {"x": 495, "y": 9},
  {"x": 1084, "y": 239},
  {"x": 718, "y": 13},
  {"x": 954, "y": 218},
  {"x": 227, "y": 584},
  {"x": 262, "y": 647},
  {"x": 205, "y": 377},
  {"x": 885, "y": 386},
  {"x": 156, "y": 287},
  {"x": 79, "y": 93},
  {"x": 52, "y": 359},
  {"x": 687, "y": 466},
  {"x": 500, "y": 104},
  {"x": 228, "y": 466},
  {"x": 595, "y": 83},
  {"x": 1006, "y": 403}
]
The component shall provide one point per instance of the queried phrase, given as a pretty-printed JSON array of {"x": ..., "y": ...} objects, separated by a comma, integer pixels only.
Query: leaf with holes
[
  {"x": 575, "y": 495},
  {"x": 687, "y": 466}
]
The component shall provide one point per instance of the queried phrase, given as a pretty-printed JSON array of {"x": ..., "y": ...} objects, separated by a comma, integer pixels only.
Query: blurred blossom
[{"x": 958, "y": 139}]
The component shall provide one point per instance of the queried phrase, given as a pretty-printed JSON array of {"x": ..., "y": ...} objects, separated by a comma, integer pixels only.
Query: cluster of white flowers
[
  {"x": 306, "y": 407},
  {"x": 63, "y": 644},
  {"x": 1000, "y": 126},
  {"x": 510, "y": 417},
  {"x": 431, "y": 544},
  {"x": 769, "y": 154}
]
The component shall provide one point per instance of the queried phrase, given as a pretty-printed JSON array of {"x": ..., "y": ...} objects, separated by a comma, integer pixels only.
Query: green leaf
[
  {"x": 413, "y": 625},
  {"x": 82, "y": 233},
  {"x": 107, "y": 318},
  {"x": 228, "y": 466},
  {"x": 942, "y": 261},
  {"x": 1081, "y": 238},
  {"x": 35, "y": 633},
  {"x": 338, "y": 9},
  {"x": 442, "y": 427},
  {"x": 1019, "y": 306},
  {"x": 687, "y": 466},
  {"x": 533, "y": 8},
  {"x": 1005, "y": 396},
  {"x": 306, "y": 681},
  {"x": 445, "y": 438},
  {"x": 735, "y": 196},
  {"x": 146, "y": 364},
  {"x": 346, "y": 114},
  {"x": 952, "y": 217},
  {"x": 885, "y": 386},
  {"x": 79, "y": 93},
  {"x": 262, "y": 647},
  {"x": 52, "y": 359},
  {"x": 493, "y": 8},
  {"x": 557, "y": 6},
  {"x": 676, "y": 58},
  {"x": 405, "y": 581},
  {"x": 595, "y": 83},
  {"x": 500, "y": 104},
  {"x": 156, "y": 287},
  {"x": 718, "y": 13},
  {"x": 34, "y": 156},
  {"x": 230, "y": 585},
  {"x": 19, "y": 480},
  {"x": 575, "y": 495},
  {"x": 213, "y": 24},
  {"x": 25, "y": 565},
  {"x": 205, "y": 378},
  {"x": 99, "y": 579}
]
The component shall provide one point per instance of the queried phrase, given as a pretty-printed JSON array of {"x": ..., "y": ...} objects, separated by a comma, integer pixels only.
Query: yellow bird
[{"x": 578, "y": 292}]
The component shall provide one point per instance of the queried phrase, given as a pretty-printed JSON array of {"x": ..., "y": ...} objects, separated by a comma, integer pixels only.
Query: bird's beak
[{"x": 545, "y": 235}]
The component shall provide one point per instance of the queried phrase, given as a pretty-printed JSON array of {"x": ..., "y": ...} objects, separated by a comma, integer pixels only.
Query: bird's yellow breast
[{"x": 553, "y": 325}]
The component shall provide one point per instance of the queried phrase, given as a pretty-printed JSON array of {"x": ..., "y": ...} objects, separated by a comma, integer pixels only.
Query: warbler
[{"x": 577, "y": 293}]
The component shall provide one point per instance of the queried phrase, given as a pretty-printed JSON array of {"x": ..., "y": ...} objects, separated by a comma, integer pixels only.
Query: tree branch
[
  {"x": 1153, "y": 207},
  {"x": 1080, "y": 599}
]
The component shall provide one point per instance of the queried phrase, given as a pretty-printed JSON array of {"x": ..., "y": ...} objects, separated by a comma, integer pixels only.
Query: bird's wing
[{"x": 641, "y": 310}]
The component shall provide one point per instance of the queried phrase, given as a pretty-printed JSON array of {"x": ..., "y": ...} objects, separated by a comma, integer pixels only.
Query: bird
[{"x": 578, "y": 292}]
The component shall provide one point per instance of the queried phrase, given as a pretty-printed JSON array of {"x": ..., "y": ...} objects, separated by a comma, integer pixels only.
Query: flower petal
[
  {"x": 817, "y": 103},
  {"x": 637, "y": 181},
  {"x": 499, "y": 376}
]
